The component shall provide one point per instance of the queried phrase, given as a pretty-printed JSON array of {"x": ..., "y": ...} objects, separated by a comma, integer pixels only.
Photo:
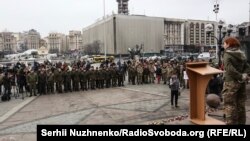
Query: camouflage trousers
[
  {"x": 234, "y": 98},
  {"x": 139, "y": 78},
  {"x": 151, "y": 78}
]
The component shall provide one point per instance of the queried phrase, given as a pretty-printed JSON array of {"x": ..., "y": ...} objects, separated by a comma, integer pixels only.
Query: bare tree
[
  {"x": 93, "y": 48},
  {"x": 34, "y": 53},
  {"x": 54, "y": 50},
  {"x": 96, "y": 47},
  {"x": 87, "y": 49}
]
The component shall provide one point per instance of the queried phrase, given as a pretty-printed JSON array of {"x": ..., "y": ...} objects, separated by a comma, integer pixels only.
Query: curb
[{"x": 17, "y": 108}]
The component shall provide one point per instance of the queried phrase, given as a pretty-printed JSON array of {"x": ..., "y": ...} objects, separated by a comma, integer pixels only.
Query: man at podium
[{"x": 235, "y": 76}]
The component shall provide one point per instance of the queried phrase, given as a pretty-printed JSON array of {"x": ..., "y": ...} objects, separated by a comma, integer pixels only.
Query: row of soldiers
[
  {"x": 146, "y": 72},
  {"x": 64, "y": 79},
  {"x": 75, "y": 80}
]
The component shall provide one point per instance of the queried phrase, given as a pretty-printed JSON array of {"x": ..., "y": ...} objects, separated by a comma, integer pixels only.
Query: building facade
[
  {"x": 117, "y": 33},
  {"x": 174, "y": 33},
  {"x": 43, "y": 43},
  {"x": 20, "y": 39},
  {"x": 75, "y": 40},
  {"x": 56, "y": 42},
  {"x": 9, "y": 42},
  {"x": 197, "y": 37},
  {"x": 32, "y": 39},
  {"x": 123, "y": 7}
]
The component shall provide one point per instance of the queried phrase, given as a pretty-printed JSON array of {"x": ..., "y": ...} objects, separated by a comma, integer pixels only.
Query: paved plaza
[{"x": 143, "y": 105}]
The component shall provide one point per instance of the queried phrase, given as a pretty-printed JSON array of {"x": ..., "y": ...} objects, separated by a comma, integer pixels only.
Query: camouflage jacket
[{"x": 235, "y": 64}]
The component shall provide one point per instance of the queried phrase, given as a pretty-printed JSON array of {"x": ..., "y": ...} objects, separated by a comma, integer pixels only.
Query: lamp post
[
  {"x": 219, "y": 42},
  {"x": 216, "y": 8},
  {"x": 223, "y": 31},
  {"x": 104, "y": 30}
]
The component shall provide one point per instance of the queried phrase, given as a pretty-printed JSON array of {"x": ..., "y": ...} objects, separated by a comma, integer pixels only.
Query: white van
[{"x": 205, "y": 56}]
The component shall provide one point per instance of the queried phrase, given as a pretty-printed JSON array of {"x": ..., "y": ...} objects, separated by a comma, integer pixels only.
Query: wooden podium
[{"x": 199, "y": 74}]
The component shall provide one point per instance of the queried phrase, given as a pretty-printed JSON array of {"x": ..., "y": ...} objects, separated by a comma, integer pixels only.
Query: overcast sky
[{"x": 63, "y": 15}]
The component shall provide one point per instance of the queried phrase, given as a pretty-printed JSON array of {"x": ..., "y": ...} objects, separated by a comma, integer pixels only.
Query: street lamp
[
  {"x": 222, "y": 34},
  {"x": 216, "y": 9},
  {"x": 104, "y": 30}
]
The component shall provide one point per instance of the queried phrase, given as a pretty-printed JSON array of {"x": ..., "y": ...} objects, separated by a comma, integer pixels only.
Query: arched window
[
  {"x": 192, "y": 33},
  {"x": 203, "y": 33},
  {"x": 197, "y": 33},
  {"x": 212, "y": 35}
]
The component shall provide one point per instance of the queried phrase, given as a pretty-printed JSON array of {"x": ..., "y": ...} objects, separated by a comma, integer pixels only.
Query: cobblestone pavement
[{"x": 127, "y": 105}]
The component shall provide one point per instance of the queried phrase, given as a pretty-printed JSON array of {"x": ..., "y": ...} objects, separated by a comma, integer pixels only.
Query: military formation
[
  {"x": 62, "y": 77},
  {"x": 47, "y": 78},
  {"x": 153, "y": 71}
]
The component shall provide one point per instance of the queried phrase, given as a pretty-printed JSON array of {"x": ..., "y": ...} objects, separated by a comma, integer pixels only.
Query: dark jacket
[
  {"x": 174, "y": 83},
  {"x": 158, "y": 71}
]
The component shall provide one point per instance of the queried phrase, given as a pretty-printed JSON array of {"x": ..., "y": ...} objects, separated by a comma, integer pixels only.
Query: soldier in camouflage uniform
[
  {"x": 235, "y": 76},
  {"x": 164, "y": 73},
  {"x": 139, "y": 70},
  {"x": 108, "y": 77},
  {"x": 113, "y": 76},
  {"x": 32, "y": 80},
  {"x": 133, "y": 74},
  {"x": 67, "y": 81},
  {"x": 84, "y": 80},
  {"x": 129, "y": 73},
  {"x": 92, "y": 78},
  {"x": 151, "y": 68},
  {"x": 42, "y": 81},
  {"x": 80, "y": 78},
  {"x": 7, "y": 84},
  {"x": 51, "y": 81},
  {"x": 73, "y": 73},
  {"x": 87, "y": 73},
  {"x": 120, "y": 73},
  {"x": 56, "y": 73},
  {"x": 59, "y": 81},
  {"x": 76, "y": 80},
  {"x": 97, "y": 73},
  {"x": 101, "y": 78},
  {"x": 146, "y": 73}
]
